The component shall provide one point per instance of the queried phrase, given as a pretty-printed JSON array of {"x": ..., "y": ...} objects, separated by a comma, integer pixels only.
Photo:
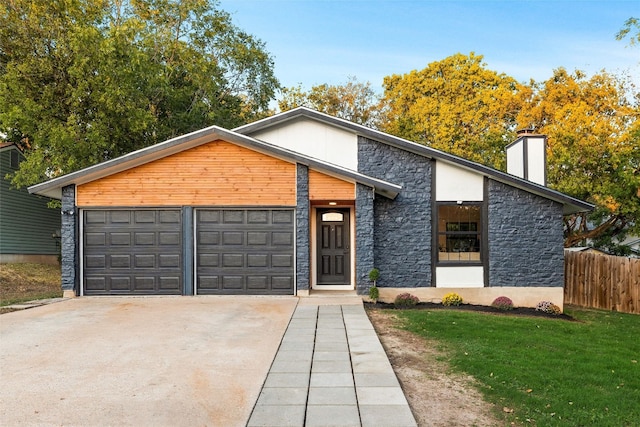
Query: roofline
[
  {"x": 53, "y": 187},
  {"x": 571, "y": 204}
]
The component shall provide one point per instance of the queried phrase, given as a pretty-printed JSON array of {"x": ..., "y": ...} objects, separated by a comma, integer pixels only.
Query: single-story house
[
  {"x": 304, "y": 202},
  {"x": 29, "y": 228}
]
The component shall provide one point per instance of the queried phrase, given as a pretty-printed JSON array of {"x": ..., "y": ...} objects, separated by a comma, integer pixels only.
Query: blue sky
[{"x": 325, "y": 41}]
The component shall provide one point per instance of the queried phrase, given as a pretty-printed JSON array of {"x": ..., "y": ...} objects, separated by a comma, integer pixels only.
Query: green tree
[
  {"x": 84, "y": 81},
  {"x": 455, "y": 105},
  {"x": 354, "y": 101},
  {"x": 593, "y": 131}
]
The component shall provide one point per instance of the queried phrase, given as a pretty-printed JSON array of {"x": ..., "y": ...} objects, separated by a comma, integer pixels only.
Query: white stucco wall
[
  {"x": 536, "y": 159},
  {"x": 515, "y": 159},
  {"x": 460, "y": 277},
  {"x": 315, "y": 139},
  {"x": 454, "y": 183}
]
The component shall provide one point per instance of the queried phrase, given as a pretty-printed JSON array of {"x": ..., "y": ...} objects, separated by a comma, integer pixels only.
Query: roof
[
  {"x": 7, "y": 145},
  {"x": 53, "y": 187},
  {"x": 570, "y": 204},
  {"x": 241, "y": 136}
]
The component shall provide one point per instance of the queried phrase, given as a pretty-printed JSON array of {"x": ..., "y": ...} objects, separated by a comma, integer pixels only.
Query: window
[
  {"x": 15, "y": 159},
  {"x": 459, "y": 233},
  {"x": 332, "y": 217}
]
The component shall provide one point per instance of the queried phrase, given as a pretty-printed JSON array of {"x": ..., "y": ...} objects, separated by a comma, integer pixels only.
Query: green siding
[{"x": 26, "y": 223}]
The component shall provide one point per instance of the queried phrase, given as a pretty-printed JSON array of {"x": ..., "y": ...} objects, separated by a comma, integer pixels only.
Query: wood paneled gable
[
  {"x": 325, "y": 187},
  {"x": 217, "y": 173}
]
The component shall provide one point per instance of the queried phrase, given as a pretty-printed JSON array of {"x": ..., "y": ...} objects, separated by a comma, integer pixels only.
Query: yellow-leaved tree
[
  {"x": 593, "y": 152},
  {"x": 455, "y": 105}
]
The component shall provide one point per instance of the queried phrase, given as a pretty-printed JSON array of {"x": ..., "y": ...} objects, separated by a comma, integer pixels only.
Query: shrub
[
  {"x": 374, "y": 275},
  {"x": 406, "y": 300},
  {"x": 548, "y": 307},
  {"x": 374, "y": 293},
  {"x": 451, "y": 299},
  {"x": 502, "y": 303}
]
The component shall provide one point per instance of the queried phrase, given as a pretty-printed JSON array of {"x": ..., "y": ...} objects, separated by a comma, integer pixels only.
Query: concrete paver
[{"x": 351, "y": 381}]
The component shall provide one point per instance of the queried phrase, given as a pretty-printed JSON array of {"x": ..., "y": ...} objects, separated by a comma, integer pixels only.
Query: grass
[
  {"x": 27, "y": 282},
  {"x": 550, "y": 372}
]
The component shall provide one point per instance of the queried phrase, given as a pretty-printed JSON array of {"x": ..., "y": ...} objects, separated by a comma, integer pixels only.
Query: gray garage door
[
  {"x": 132, "y": 252},
  {"x": 244, "y": 251}
]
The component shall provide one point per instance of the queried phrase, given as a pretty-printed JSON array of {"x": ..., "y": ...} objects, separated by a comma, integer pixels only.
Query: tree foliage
[
  {"x": 455, "y": 105},
  {"x": 631, "y": 29},
  {"x": 84, "y": 81},
  {"x": 354, "y": 101},
  {"x": 594, "y": 148},
  {"x": 592, "y": 123}
]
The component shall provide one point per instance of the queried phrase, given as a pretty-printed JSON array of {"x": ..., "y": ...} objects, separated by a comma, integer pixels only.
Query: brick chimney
[{"x": 527, "y": 157}]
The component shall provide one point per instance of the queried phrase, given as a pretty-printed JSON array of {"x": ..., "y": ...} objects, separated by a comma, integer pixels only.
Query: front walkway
[{"x": 331, "y": 370}]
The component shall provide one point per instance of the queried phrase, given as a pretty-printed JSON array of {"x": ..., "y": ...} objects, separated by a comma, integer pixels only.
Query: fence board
[{"x": 602, "y": 281}]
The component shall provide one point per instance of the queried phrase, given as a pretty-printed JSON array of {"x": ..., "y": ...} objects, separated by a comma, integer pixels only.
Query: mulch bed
[{"x": 517, "y": 311}]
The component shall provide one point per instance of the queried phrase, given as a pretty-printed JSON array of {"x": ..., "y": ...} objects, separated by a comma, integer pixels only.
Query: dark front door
[{"x": 333, "y": 247}]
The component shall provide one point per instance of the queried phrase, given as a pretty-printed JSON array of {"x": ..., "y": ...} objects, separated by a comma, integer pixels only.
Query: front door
[{"x": 333, "y": 247}]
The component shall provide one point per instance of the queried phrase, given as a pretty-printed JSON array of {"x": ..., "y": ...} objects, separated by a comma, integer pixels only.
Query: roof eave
[
  {"x": 570, "y": 204},
  {"x": 53, "y": 187}
]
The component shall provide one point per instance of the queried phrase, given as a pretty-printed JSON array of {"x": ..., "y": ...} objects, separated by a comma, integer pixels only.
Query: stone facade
[
  {"x": 303, "y": 254},
  {"x": 525, "y": 238},
  {"x": 68, "y": 239},
  {"x": 402, "y": 227},
  {"x": 365, "y": 261}
]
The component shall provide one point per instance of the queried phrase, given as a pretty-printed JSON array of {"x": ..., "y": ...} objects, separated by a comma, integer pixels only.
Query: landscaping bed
[{"x": 516, "y": 311}]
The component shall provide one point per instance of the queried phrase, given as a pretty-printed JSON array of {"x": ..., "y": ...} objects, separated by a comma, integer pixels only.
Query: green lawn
[{"x": 551, "y": 372}]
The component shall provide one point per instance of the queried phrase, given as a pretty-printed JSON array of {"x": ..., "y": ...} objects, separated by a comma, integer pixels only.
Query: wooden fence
[{"x": 602, "y": 281}]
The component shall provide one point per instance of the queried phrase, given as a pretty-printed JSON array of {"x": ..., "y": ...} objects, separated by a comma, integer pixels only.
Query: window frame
[{"x": 481, "y": 233}]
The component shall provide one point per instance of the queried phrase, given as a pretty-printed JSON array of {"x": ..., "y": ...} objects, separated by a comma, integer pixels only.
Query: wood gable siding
[
  {"x": 218, "y": 173},
  {"x": 325, "y": 187}
]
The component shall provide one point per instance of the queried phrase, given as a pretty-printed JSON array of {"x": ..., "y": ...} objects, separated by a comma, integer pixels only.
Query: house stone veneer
[
  {"x": 302, "y": 228},
  {"x": 525, "y": 239},
  {"x": 402, "y": 236},
  {"x": 68, "y": 240},
  {"x": 364, "y": 237}
]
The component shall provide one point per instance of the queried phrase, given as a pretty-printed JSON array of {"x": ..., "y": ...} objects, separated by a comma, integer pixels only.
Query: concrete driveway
[{"x": 157, "y": 361}]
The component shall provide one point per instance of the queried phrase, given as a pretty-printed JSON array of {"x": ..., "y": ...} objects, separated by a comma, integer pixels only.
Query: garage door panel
[
  {"x": 233, "y": 238},
  {"x": 257, "y": 238},
  {"x": 247, "y": 251},
  {"x": 129, "y": 251},
  {"x": 282, "y": 282},
  {"x": 170, "y": 239},
  {"x": 145, "y": 261},
  {"x": 119, "y": 217},
  {"x": 258, "y": 217},
  {"x": 95, "y": 239},
  {"x": 258, "y": 282},
  {"x": 234, "y": 283},
  {"x": 145, "y": 239},
  {"x": 208, "y": 282}
]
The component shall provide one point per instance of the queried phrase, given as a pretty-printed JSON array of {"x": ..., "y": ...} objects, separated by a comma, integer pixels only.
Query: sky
[{"x": 327, "y": 41}]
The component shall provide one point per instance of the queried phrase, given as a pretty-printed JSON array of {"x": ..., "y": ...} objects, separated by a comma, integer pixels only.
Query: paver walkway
[{"x": 331, "y": 370}]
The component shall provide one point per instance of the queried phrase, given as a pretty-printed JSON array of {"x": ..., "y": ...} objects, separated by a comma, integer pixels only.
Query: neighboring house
[
  {"x": 302, "y": 202},
  {"x": 27, "y": 224}
]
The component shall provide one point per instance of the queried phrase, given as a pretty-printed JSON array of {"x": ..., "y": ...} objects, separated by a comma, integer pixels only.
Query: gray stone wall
[
  {"x": 303, "y": 274},
  {"x": 525, "y": 238},
  {"x": 365, "y": 261},
  {"x": 68, "y": 239},
  {"x": 402, "y": 227}
]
